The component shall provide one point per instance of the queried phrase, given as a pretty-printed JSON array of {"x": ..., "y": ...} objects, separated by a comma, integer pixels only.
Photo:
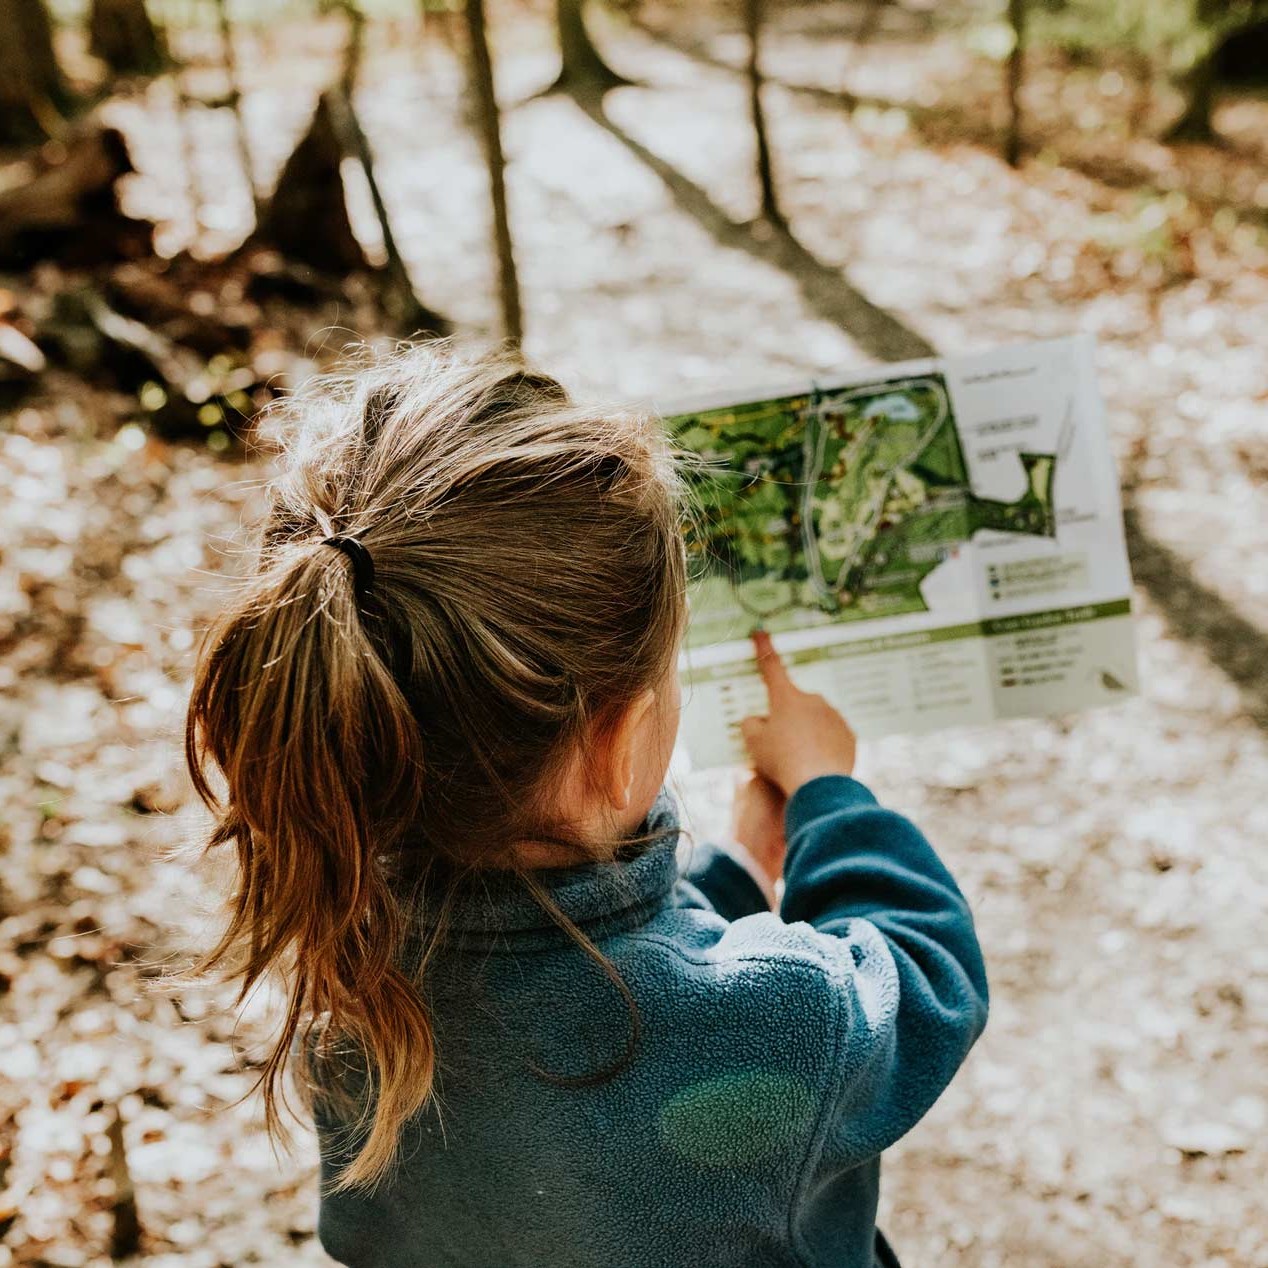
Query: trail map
[{"x": 918, "y": 507}]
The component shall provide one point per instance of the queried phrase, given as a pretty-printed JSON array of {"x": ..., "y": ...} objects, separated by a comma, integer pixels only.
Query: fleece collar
[{"x": 598, "y": 896}]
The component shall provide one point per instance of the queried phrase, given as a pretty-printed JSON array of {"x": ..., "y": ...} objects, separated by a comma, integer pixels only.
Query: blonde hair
[{"x": 528, "y": 582}]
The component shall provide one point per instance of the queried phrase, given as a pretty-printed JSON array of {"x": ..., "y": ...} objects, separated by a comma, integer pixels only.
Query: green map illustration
[{"x": 835, "y": 505}]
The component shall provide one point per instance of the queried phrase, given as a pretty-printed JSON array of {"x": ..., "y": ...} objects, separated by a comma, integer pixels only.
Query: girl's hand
[
  {"x": 802, "y": 737},
  {"x": 758, "y": 825}
]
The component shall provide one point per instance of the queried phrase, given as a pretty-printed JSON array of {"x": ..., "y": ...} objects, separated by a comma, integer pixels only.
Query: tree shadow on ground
[
  {"x": 1197, "y": 614},
  {"x": 826, "y": 290},
  {"x": 1193, "y": 612},
  {"x": 948, "y": 122}
]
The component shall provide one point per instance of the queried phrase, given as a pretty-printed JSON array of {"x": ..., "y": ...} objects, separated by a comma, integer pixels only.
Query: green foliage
[
  {"x": 1153, "y": 230},
  {"x": 1175, "y": 33},
  {"x": 1151, "y": 27}
]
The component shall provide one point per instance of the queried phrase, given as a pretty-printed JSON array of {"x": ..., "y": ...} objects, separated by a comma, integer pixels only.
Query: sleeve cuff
[{"x": 823, "y": 796}]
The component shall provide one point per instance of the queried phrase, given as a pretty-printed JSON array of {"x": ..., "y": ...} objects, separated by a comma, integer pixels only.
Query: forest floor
[{"x": 1115, "y": 1112}]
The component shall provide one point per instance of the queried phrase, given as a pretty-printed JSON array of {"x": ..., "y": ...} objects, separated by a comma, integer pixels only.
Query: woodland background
[{"x": 203, "y": 203}]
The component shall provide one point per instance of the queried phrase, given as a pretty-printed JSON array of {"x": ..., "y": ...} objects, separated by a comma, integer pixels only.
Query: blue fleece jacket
[{"x": 776, "y": 1057}]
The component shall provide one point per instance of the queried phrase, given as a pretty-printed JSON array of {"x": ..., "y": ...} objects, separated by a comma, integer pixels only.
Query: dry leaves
[{"x": 1114, "y": 1113}]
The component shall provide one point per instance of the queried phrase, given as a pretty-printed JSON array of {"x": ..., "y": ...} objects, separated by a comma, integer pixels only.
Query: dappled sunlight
[{"x": 1115, "y": 1111}]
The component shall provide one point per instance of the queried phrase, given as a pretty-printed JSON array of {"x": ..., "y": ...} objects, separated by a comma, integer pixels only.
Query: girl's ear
[{"x": 618, "y": 759}]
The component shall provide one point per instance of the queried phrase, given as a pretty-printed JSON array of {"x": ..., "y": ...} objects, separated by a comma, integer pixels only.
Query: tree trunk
[
  {"x": 1013, "y": 75},
  {"x": 583, "y": 69},
  {"x": 491, "y": 135},
  {"x": 398, "y": 295},
  {"x": 870, "y": 23},
  {"x": 64, "y": 205},
  {"x": 307, "y": 217},
  {"x": 230, "y": 58},
  {"x": 765, "y": 172},
  {"x": 437, "y": 20},
  {"x": 125, "y": 1232},
  {"x": 121, "y": 34},
  {"x": 1143, "y": 92},
  {"x": 32, "y": 93},
  {"x": 1242, "y": 57},
  {"x": 1194, "y": 123}
]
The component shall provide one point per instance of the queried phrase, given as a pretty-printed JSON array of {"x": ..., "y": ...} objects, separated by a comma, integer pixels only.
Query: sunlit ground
[{"x": 1115, "y": 1111}]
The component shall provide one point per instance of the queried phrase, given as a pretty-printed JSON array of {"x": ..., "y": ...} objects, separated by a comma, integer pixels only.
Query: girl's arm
[
  {"x": 904, "y": 978},
  {"x": 911, "y": 986}
]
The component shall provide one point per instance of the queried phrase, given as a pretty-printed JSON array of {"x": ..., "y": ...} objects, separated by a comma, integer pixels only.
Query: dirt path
[{"x": 1114, "y": 1113}]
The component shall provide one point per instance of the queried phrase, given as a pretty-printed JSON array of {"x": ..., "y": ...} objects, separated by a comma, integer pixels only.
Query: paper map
[{"x": 933, "y": 544}]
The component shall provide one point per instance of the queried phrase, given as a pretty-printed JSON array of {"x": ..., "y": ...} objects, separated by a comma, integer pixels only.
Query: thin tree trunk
[
  {"x": 125, "y": 1231},
  {"x": 1142, "y": 92},
  {"x": 753, "y": 12},
  {"x": 870, "y": 23},
  {"x": 306, "y": 219},
  {"x": 407, "y": 308},
  {"x": 121, "y": 34},
  {"x": 583, "y": 70},
  {"x": 1220, "y": 22},
  {"x": 1013, "y": 78},
  {"x": 1195, "y": 123},
  {"x": 235, "y": 103},
  {"x": 182, "y": 112},
  {"x": 353, "y": 142},
  {"x": 438, "y": 20},
  {"x": 354, "y": 49},
  {"x": 32, "y": 92},
  {"x": 491, "y": 134}
]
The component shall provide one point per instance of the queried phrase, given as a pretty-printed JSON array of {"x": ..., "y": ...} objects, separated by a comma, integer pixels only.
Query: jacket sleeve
[
  {"x": 908, "y": 985},
  {"x": 726, "y": 883}
]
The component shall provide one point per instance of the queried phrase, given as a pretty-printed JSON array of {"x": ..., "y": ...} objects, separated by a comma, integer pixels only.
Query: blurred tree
[
  {"x": 400, "y": 299},
  {"x": 1215, "y": 23},
  {"x": 1142, "y": 71},
  {"x": 121, "y": 34},
  {"x": 485, "y": 97},
  {"x": 1198, "y": 81},
  {"x": 125, "y": 1230},
  {"x": 870, "y": 22},
  {"x": 583, "y": 70},
  {"x": 1243, "y": 56},
  {"x": 307, "y": 217},
  {"x": 439, "y": 17},
  {"x": 230, "y": 58},
  {"x": 32, "y": 92},
  {"x": 307, "y": 220},
  {"x": 753, "y": 14},
  {"x": 64, "y": 204},
  {"x": 1013, "y": 75},
  {"x": 1186, "y": 38}
]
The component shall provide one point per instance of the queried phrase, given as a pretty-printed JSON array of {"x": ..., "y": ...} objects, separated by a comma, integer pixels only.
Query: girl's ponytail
[
  {"x": 322, "y": 766},
  {"x": 463, "y": 573}
]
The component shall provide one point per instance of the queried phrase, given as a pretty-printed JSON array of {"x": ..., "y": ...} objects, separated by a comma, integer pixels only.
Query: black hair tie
[{"x": 362, "y": 564}]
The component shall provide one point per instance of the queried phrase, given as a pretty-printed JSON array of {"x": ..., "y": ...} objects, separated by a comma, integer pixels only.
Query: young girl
[{"x": 439, "y": 719}]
